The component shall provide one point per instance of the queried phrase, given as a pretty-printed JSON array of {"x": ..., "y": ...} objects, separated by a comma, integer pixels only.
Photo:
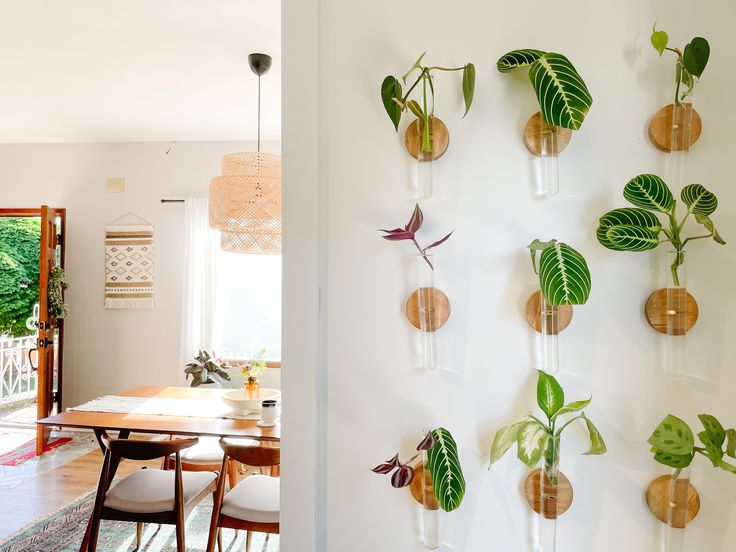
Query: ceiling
[{"x": 138, "y": 70}]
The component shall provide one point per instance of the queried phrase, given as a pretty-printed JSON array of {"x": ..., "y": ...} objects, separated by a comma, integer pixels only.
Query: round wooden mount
[
  {"x": 533, "y": 130},
  {"x": 557, "y": 500},
  {"x": 416, "y": 489},
  {"x": 533, "y": 312},
  {"x": 668, "y": 312},
  {"x": 680, "y": 496},
  {"x": 662, "y": 128},
  {"x": 437, "y": 313},
  {"x": 440, "y": 138}
]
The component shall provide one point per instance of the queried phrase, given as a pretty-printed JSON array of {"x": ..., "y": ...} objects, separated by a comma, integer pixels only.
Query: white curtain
[{"x": 200, "y": 280}]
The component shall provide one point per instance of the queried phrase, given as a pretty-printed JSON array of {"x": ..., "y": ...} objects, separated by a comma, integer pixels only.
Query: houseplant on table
[
  {"x": 252, "y": 371},
  {"x": 205, "y": 369}
]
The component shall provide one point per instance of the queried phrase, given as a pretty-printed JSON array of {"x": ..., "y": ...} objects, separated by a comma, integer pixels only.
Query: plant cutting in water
[
  {"x": 564, "y": 277},
  {"x": 443, "y": 464},
  {"x": 409, "y": 231},
  {"x": 536, "y": 439},
  {"x": 564, "y": 100},
  {"x": 673, "y": 443},
  {"x": 638, "y": 228},
  {"x": 690, "y": 64},
  {"x": 255, "y": 368},
  {"x": 396, "y": 102}
]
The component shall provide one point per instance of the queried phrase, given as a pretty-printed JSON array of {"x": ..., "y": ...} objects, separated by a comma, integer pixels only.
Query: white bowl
[{"x": 238, "y": 400}]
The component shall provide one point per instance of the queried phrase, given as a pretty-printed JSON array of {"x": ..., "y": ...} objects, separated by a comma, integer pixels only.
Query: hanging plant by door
[{"x": 57, "y": 285}]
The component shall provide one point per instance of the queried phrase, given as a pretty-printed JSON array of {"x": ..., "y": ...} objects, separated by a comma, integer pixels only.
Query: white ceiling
[{"x": 105, "y": 70}]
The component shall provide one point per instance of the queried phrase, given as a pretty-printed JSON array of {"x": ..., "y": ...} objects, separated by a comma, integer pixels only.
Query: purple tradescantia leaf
[
  {"x": 439, "y": 242},
  {"x": 428, "y": 442},
  {"x": 388, "y": 466},
  {"x": 417, "y": 217},
  {"x": 402, "y": 477},
  {"x": 396, "y": 236},
  {"x": 394, "y": 231}
]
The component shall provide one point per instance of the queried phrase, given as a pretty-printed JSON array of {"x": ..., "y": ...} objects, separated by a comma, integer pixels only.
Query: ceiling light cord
[{"x": 259, "y": 113}]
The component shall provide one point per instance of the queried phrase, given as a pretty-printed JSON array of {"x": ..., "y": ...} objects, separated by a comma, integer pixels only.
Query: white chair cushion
[
  {"x": 152, "y": 491},
  {"x": 256, "y": 498},
  {"x": 208, "y": 452}
]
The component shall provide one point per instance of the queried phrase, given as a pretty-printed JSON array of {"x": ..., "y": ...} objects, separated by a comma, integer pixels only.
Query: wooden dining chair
[
  {"x": 253, "y": 505},
  {"x": 147, "y": 495}
]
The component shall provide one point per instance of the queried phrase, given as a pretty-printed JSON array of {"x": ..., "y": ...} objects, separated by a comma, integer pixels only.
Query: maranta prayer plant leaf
[{"x": 564, "y": 277}]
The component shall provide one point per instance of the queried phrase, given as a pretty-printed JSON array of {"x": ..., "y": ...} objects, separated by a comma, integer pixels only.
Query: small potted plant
[
  {"x": 252, "y": 371},
  {"x": 436, "y": 481},
  {"x": 677, "y": 126},
  {"x": 205, "y": 369},
  {"x": 564, "y": 280},
  {"x": 564, "y": 101},
  {"x": 671, "y": 498},
  {"x": 427, "y": 137},
  {"x": 547, "y": 490},
  {"x": 428, "y": 307}
]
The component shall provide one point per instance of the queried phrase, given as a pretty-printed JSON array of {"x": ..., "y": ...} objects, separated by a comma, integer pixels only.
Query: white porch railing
[{"x": 17, "y": 379}]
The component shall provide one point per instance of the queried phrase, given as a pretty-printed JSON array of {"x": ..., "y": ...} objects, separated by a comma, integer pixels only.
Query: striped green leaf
[
  {"x": 631, "y": 216},
  {"x": 564, "y": 100},
  {"x": 563, "y": 275},
  {"x": 648, "y": 191},
  {"x": 699, "y": 200},
  {"x": 444, "y": 467},
  {"x": 518, "y": 58},
  {"x": 627, "y": 237}
]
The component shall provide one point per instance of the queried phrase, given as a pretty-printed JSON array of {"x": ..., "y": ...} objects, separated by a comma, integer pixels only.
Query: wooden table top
[{"x": 179, "y": 425}]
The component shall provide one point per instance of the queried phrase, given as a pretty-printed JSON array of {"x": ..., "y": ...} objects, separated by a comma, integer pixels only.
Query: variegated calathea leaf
[
  {"x": 699, "y": 200},
  {"x": 443, "y": 464},
  {"x": 563, "y": 275},
  {"x": 517, "y": 58},
  {"x": 649, "y": 191},
  {"x": 563, "y": 97},
  {"x": 531, "y": 442}
]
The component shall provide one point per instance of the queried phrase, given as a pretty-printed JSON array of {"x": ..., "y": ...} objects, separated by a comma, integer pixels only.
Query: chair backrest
[
  {"x": 250, "y": 455},
  {"x": 145, "y": 450}
]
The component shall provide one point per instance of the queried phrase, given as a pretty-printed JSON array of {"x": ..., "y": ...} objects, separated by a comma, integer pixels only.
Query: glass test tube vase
[
  {"x": 426, "y": 147},
  {"x": 546, "y": 141},
  {"x": 675, "y": 502},
  {"x": 548, "y": 320}
]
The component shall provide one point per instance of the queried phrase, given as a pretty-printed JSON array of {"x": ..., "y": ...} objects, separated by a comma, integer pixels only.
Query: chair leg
[
  {"x": 85, "y": 541},
  {"x": 180, "y": 545},
  {"x": 248, "y": 536},
  {"x": 93, "y": 534},
  {"x": 219, "y": 540},
  {"x": 138, "y": 534}
]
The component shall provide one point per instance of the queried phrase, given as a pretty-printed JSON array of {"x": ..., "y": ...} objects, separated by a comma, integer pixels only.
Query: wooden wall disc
[
  {"x": 660, "y": 128},
  {"x": 534, "y": 315},
  {"x": 686, "y": 506},
  {"x": 437, "y": 314},
  {"x": 440, "y": 138},
  {"x": 557, "y": 500},
  {"x": 683, "y": 318},
  {"x": 533, "y": 134},
  {"x": 416, "y": 488}
]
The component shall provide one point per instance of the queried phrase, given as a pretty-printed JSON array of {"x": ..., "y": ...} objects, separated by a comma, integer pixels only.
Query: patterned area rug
[
  {"x": 64, "y": 531},
  {"x": 27, "y": 450}
]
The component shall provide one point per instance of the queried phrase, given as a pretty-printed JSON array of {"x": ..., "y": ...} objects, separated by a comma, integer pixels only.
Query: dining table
[{"x": 183, "y": 420}]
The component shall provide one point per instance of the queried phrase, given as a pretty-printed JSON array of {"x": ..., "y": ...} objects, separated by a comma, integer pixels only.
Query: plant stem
[
  {"x": 541, "y": 423},
  {"x": 676, "y": 473},
  {"x": 423, "y": 253},
  {"x": 439, "y": 68},
  {"x": 697, "y": 238},
  {"x": 579, "y": 417}
]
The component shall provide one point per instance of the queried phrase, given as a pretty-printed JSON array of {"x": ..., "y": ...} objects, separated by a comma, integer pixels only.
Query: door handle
[
  {"x": 44, "y": 342},
  {"x": 30, "y": 361}
]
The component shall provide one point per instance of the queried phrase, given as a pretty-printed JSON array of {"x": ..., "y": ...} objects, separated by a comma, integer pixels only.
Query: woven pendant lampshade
[{"x": 245, "y": 201}]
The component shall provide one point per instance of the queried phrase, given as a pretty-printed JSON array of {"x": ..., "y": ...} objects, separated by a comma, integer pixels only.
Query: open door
[{"x": 50, "y": 330}]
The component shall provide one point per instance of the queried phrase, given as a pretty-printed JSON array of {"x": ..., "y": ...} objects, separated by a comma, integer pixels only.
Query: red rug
[{"x": 28, "y": 450}]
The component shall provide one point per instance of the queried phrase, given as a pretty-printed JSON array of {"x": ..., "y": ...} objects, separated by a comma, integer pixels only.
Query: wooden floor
[{"x": 54, "y": 489}]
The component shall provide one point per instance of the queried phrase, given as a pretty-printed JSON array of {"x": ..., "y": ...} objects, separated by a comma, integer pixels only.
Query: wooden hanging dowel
[
  {"x": 662, "y": 315},
  {"x": 557, "y": 499},
  {"x": 533, "y": 134},
  {"x": 533, "y": 312},
  {"x": 684, "y": 509},
  {"x": 440, "y": 138},
  {"x": 661, "y": 128},
  {"x": 438, "y": 312}
]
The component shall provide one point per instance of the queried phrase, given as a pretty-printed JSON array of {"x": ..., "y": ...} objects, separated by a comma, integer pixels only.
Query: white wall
[
  {"x": 107, "y": 351},
  {"x": 377, "y": 402}
]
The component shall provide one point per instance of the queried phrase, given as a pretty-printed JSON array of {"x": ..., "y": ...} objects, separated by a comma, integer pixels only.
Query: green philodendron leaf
[
  {"x": 531, "y": 442},
  {"x": 628, "y": 238},
  {"x": 468, "y": 86},
  {"x": 550, "y": 396},
  {"x": 390, "y": 90},
  {"x": 597, "y": 444},
  {"x": 575, "y": 406},
  {"x": 415, "y": 108},
  {"x": 517, "y": 58},
  {"x": 659, "y": 40},
  {"x": 712, "y": 450},
  {"x": 563, "y": 275},
  {"x": 564, "y": 100},
  {"x": 417, "y": 65},
  {"x": 731, "y": 442},
  {"x": 504, "y": 438},
  {"x": 713, "y": 428},
  {"x": 705, "y": 221},
  {"x": 443, "y": 464},
  {"x": 695, "y": 56},
  {"x": 673, "y": 460},
  {"x": 699, "y": 200},
  {"x": 649, "y": 191},
  {"x": 673, "y": 436}
]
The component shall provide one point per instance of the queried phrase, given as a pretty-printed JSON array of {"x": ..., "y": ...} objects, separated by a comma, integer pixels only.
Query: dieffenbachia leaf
[
  {"x": 625, "y": 240},
  {"x": 699, "y": 200},
  {"x": 695, "y": 56},
  {"x": 390, "y": 89},
  {"x": 673, "y": 436},
  {"x": 659, "y": 40},
  {"x": 504, "y": 438},
  {"x": 563, "y": 275},
  {"x": 597, "y": 445},
  {"x": 575, "y": 406},
  {"x": 705, "y": 221},
  {"x": 731, "y": 442},
  {"x": 713, "y": 428},
  {"x": 649, "y": 191},
  {"x": 444, "y": 467},
  {"x": 531, "y": 442},
  {"x": 550, "y": 396},
  {"x": 517, "y": 58},
  {"x": 468, "y": 86},
  {"x": 564, "y": 100}
]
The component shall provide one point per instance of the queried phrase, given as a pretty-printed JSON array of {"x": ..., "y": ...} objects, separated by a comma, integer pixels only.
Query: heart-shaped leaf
[
  {"x": 659, "y": 40},
  {"x": 444, "y": 467},
  {"x": 649, "y": 191},
  {"x": 563, "y": 275},
  {"x": 390, "y": 90},
  {"x": 705, "y": 221},
  {"x": 695, "y": 57},
  {"x": 673, "y": 436},
  {"x": 597, "y": 445},
  {"x": 564, "y": 100},
  {"x": 468, "y": 86},
  {"x": 712, "y": 450},
  {"x": 699, "y": 200},
  {"x": 713, "y": 428},
  {"x": 673, "y": 460},
  {"x": 504, "y": 438},
  {"x": 550, "y": 396},
  {"x": 531, "y": 442},
  {"x": 518, "y": 58}
]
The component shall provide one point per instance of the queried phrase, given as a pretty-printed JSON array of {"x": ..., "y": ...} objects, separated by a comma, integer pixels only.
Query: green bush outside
[{"x": 20, "y": 241}]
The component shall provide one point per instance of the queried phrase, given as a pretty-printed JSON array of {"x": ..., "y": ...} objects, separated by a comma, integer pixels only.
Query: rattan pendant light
[{"x": 245, "y": 202}]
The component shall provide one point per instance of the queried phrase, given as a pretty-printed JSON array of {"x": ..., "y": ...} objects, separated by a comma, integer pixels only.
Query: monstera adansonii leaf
[
  {"x": 563, "y": 97},
  {"x": 649, "y": 191},
  {"x": 629, "y": 229},
  {"x": 563, "y": 273},
  {"x": 444, "y": 467}
]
